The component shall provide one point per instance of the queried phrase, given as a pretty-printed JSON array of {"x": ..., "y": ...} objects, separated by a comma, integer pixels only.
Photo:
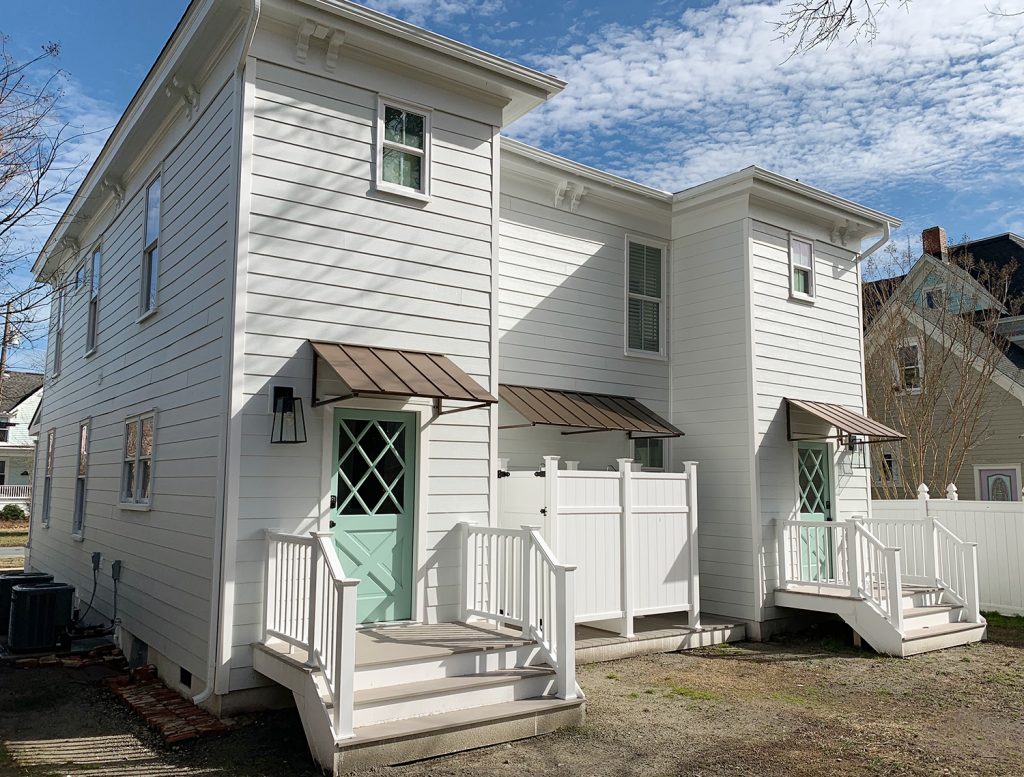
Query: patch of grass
[
  {"x": 611, "y": 676},
  {"x": 12, "y": 562},
  {"x": 694, "y": 694},
  {"x": 634, "y": 695},
  {"x": 1015, "y": 622},
  {"x": 13, "y": 539}
]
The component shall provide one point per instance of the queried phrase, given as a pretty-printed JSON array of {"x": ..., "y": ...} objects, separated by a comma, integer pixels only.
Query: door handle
[
  {"x": 334, "y": 501},
  {"x": 331, "y": 524}
]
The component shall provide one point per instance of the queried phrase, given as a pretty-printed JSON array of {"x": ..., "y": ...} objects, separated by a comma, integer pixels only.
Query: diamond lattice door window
[{"x": 814, "y": 468}]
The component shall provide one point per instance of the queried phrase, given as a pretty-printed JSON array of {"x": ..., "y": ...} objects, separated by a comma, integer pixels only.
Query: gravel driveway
[{"x": 807, "y": 706}]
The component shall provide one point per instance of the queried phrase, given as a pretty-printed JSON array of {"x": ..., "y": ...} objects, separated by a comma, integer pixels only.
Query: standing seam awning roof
[
  {"x": 846, "y": 421},
  {"x": 582, "y": 410},
  {"x": 371, "y": 371}
]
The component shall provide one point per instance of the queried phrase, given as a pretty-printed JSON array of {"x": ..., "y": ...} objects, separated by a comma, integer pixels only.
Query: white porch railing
[
  {"x": 512, "y": 577},
  {"x": 20, "y": 493},
  {"x": 841, "y": 557},
  {"x": 309, "y": 603},
  {"x": 632, "y": 535},
  {"x": 872, "y": 558}
]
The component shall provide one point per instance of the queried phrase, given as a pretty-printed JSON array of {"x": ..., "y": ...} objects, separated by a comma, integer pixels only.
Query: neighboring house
[
  {"x": 19, "y": 399},
  {"x": 992, "y": 467},
  {"x": 304, "y": 292}
]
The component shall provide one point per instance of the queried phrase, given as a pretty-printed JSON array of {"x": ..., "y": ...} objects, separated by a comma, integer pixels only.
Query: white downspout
[
  {"x": 877, "y": 244},
  {"x": 216, "y": 593}
]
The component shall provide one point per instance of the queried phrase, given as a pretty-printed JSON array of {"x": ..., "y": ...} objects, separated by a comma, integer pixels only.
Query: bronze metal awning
[
  {"x": 848, "y": 424},
  {"x": 389, "y": 372},
  {"x": 584, "y": 412}
]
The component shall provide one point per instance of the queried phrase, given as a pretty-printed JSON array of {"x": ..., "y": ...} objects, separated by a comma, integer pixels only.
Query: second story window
[
  {"x": 909, "y": 368},
  {"x": 92, "y": 324},
  {"x": 801, "y": 269},
  {"x": 645, "y": 304},
  {"x": 137, "y": 467},
  {"x": 403, "y": 149},
  {"x": 5, "y": 428},
  {"x": 151, "y": 251},
  {"x": 78, "y": 521},
  {"x": 58, "y": 332},
  {"x": 48, "y": 477}
]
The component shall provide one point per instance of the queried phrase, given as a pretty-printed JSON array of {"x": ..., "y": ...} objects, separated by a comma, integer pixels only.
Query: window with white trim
[
  {"x": 151, "y": 248},
  {"x": 5, "y": 427},
  {"x": 58, "y": 332},
  {"x": 888, "y": 470},
  {"x": 80, "y": 276},
  {"x": 92, "y": 321},
  {"x": 801, "y": 268},
  {"x": 78, "y": 521},
  {"x": 649, "y": 452},
  {"x": 645, "y": 300},
  {"x": 909, "y": 367},
  {"x": 48, "y": 477},
  {"x": 137, "y": 455},
  {"x": 403, "y": 149}
]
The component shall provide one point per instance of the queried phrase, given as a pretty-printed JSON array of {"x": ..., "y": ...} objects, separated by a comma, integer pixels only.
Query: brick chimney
[{"x": 933, "y": 241}]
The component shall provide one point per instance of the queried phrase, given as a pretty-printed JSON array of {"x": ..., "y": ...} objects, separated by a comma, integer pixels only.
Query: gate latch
[{"x": 543, "y": 511}]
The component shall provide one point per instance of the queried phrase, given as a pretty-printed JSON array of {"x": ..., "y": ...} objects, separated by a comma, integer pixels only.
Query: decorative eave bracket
[
  {"x": 188, "y": 93},
  {"x": 114, "y": 186},
  {"x": 840, "y": 233},
  {"x": 570, "y": 193},
  {"x": 333, "y": 38}
]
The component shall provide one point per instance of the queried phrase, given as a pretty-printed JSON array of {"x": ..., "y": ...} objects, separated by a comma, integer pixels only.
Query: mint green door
[
  {"x": 373, "y": 519},
  {"x": 814, "y": 476}
]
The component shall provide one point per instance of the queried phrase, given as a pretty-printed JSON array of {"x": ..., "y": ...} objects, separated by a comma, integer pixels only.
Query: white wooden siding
[
  {"x": 327, "y": 261},
  {"x": 172, "y": 362},
  {"x": 561, "y": 309},
  {"x": 803, "y": 351},
  {"x": 711, "y": 399}
]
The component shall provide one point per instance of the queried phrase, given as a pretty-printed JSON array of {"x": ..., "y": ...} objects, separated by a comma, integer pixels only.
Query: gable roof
[
  {"x": 16, "y": 387},
  {"x": 998, "y": 251}
]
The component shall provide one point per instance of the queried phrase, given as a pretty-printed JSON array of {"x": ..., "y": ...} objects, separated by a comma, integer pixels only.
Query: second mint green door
[
  {"x": 814, "y": 477},
  {"x": 374, "y": 486}
]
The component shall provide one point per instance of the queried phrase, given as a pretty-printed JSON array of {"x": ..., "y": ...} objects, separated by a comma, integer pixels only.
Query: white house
[
  {"x": 322, "y": 294},
  {"x": 19, "y": 398}
]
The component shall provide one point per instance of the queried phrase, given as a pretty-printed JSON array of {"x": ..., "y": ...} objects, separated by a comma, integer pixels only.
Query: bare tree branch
[{"x": 810, "y": 23}]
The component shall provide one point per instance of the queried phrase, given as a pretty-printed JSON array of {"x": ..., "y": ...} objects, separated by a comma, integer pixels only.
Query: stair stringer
[{"x": 858, "y": 614}]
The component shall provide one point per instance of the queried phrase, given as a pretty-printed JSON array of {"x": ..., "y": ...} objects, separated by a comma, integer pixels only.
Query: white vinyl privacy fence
[
  {"x": 996, "y": 527},
  {"x": 631, "y": 535}
]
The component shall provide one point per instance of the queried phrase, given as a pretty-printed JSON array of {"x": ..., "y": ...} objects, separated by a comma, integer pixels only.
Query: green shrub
[{"x": 12, "y": 513}]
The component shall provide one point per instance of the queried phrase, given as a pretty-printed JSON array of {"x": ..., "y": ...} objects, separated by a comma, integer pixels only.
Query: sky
[{"x": 924, "y": 122}]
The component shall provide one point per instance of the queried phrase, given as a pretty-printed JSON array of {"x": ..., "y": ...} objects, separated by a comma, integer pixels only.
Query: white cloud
[
  {"x": 423, "y": 12},
  {"x": 935, "y": 99}
]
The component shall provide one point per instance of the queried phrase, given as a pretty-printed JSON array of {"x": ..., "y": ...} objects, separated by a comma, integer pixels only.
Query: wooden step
[
  {"x": 426, "y": 697},
  {"x": 428, "y": 736},
  {"x": 931, "y": 615},
  {"x": 943, "y": 636}
]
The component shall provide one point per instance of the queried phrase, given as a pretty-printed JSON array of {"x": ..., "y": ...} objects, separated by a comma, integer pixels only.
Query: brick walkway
[{"x": 175, "y": 718}]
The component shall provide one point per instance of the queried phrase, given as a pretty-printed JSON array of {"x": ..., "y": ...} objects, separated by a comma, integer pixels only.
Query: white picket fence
[
  {"x": 631, "y": 535},
  {"x": 997, "y": 528}
]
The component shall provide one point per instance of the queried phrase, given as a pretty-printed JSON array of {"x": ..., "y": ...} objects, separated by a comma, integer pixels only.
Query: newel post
[
  {"x": 626, "y": 533},
  {"x": 467, "y": 561},
  {"x": 852, "y": 556},
  {"x": 552, "y": 518},
  {"x": 314, "y": 576},
  {"x": 270, "y": 588},
  {"x": 565, "y": 594},
  {"x": 973, "y": 588},
  {"x": 931, "y": 550},
  {"x": 690, "y": 468},
  {"x": 894, "y": 589}
]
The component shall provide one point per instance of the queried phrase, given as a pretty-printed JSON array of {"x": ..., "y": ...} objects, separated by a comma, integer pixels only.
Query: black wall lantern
[{"x": 289, "y": 422}]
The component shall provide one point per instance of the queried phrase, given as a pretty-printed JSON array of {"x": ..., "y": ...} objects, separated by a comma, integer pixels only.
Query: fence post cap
[
  {"x": 922, "y": 491},
  {"x": 952, "y": 492}
]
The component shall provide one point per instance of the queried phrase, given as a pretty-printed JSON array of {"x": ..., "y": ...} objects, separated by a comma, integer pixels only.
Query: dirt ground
[{"x": 810, "y": 706}]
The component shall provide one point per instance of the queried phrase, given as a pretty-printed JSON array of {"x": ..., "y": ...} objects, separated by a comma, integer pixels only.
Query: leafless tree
[
  {"x": 932, "y": 348},
  {"x": 810, "y": 23},
  {"x": 35, "y": 177}
]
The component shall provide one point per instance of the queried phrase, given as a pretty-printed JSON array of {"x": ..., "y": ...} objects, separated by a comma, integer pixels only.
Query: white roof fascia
[
  {"x": 563, "y": 165},
  {"x": 525, "y": 87},
  {"x": 801, "y": 195},
  {"x": 151, "y": 86}
]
